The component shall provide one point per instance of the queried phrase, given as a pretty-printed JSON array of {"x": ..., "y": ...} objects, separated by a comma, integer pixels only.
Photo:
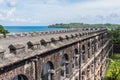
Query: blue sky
[{"x": 45, "y": 12}]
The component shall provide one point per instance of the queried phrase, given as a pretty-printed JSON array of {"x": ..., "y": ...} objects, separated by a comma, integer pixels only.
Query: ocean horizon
[{"x": 21, "y": 29}]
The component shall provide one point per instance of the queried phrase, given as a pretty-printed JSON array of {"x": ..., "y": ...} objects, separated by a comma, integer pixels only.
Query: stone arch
[
  {"x": 48, "y": 71},
  {"x": 99, "y": 41},
  {"x": 75, "y": 51},
  {"x": 20, "y": 77},
  {"x": 88, "y": 45},
  {"x": 88, "y": 71},
  {"x": 64, "y": 65},
  {"x": 92, "y": 67},
  {"x": 75, "y": 58},
  {"x": 83, "y": 47},
  {"x": 83, "y": 75},
  {"x": 83, "y": 54},
  {"x": 93, "y": 45}
]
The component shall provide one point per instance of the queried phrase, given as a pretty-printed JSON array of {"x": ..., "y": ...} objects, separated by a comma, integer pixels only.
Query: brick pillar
[
  {"x": 84, "y": 75},
  {"x": 89, "y": 52},
  {"x": 83, "y": 57},
  {"x": 88, "y": 72}
]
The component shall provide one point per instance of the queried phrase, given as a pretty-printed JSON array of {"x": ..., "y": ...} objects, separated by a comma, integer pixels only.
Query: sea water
[{"x": 21, "y": 29}]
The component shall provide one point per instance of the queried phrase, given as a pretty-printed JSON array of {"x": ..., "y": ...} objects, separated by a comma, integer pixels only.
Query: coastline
[{"x": 24, "y": 29}]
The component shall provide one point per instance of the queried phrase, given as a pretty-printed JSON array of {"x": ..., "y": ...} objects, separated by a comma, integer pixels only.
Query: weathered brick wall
[
  {"x": 32, "y": 68},
  {"x": 29, "y": 70},
  {"x": 9, "y": 73},
  {"x": 55, "y": 57}
]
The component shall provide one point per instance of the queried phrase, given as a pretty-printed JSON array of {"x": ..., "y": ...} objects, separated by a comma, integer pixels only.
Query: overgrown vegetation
[
  {"x": 113, "y": 71},
  {"x": 116, "y": 35},
  {"x": 3, "y": 31}
]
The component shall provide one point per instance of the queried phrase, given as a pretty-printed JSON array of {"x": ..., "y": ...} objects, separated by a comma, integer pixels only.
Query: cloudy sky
[{"x": 45, "y": 12}]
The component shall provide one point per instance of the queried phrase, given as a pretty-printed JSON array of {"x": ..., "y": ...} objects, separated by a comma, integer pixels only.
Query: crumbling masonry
[{"x": 71, "y": 54}]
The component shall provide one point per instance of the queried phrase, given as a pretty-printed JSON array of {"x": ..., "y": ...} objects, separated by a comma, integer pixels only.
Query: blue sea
[{"x": 21, "y": 29}]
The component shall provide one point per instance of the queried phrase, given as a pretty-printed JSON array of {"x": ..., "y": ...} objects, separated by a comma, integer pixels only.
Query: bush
[
  {"x": 116, "y": 40},
  {"x": 3, "y": 31},
  {"x": 116, "y": 35},
  {"x": 113, "y": 72}
]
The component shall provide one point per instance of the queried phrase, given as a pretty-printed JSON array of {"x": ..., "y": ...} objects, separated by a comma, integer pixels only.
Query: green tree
[
  {"x": 114, "y": 70},
  {"x": 3, "y": 31}
]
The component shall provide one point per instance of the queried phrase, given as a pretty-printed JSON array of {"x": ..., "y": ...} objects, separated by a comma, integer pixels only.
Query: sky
[{"x": 45, "y": 12}]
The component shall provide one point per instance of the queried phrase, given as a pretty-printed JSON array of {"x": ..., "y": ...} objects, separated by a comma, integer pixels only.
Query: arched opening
[
  {"x": 47, "y": 71},
  {"x": 64, "y": 66},
  {"x": 83, "y": 47},
  {"x": 83, "y": 75},
  {"x": 75, "y": 59},
  {"x": 93, "y": 46},
  {"x": 20, "y": 77},
  {"x": 88, "y": 72},
  {"x": 88, "y": 44},
  {"x": 83, "y": 53},
  {"x": 92, "y": 68},
  {"x": 88, "y": 49}
]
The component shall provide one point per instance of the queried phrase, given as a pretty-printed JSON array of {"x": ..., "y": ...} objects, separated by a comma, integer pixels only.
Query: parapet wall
[
  {"x": 43, "y": 44},
  {"x": 33, "y": 34}
]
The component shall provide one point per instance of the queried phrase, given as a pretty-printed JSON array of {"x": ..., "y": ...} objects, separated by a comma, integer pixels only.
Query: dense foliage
[
  {"x": 113, "y": 71},
  {"x": 116, "y": 35},
  {"x": 3, "y": 31},
  {"x": 78, "y": 25}
]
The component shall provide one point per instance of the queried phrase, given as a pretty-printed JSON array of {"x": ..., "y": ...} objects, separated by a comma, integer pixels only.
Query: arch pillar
[
  {"x": 88, "y": 72},
  {"x": 84, "y": 77}
]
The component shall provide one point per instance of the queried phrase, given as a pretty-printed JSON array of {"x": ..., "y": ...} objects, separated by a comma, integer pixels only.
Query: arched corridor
[
  {"x": 20, "y": 77},
  {"x": 47, "y": 71},
  {"x": 64, "y": 66}
]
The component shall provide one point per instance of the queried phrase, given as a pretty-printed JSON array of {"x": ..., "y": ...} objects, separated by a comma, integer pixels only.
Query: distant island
[
  {"x": 82, "y": 25},
  {"x": 113, "y": 29}
]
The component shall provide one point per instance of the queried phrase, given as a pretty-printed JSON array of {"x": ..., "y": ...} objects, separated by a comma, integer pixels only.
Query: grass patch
[{"x": 114, "y": 68}]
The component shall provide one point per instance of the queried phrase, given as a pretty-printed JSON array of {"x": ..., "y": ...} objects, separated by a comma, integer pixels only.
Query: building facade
[{"x": 76, "y": 54}]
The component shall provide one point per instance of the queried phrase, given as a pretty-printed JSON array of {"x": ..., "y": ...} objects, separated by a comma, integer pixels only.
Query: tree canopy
[
  {"x": 83, "y": 25},
  {"x": 3, "y": 31}
]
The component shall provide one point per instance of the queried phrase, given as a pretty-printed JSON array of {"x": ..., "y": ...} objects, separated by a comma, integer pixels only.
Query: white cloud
[
  {"x": 6, "y": 14},
  {"x": 11, "y": 12},
  {"x": 18, "y": 20},
  {"x": 57, "y": 11}
]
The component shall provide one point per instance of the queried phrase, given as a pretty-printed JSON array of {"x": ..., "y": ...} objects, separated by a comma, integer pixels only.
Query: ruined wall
[
  {"x": 25, "y": 68},
  {"x": 55, "y": 57},
  {"x": 32, "y": 67}
]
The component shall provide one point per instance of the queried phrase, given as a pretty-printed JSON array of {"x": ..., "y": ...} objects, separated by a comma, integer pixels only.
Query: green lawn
[{"x": 113, "y": 67}]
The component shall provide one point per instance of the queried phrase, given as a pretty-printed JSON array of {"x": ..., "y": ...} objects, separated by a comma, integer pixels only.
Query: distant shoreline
[
  {"x": 84, "y": 25},
  {"x": 22, "y": 29}
]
